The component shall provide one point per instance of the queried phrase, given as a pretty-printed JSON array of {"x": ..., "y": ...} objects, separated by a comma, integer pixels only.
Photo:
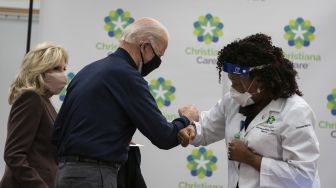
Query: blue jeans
[{"x": 86, "y": 175}]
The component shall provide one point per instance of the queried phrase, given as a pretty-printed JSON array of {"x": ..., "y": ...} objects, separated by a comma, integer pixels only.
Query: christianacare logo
[
  {"x": 162, "y": 91},
  {"x": 202, "y": 163},
  {"x": 330, "y": 125},
  {"x": 332, "y": 102},
  {"x": 208, "y": 29},
  {"x": 116, "y": 21},
  {"x": 299, "y": 33},
  {"x": 70, "y": 76}
]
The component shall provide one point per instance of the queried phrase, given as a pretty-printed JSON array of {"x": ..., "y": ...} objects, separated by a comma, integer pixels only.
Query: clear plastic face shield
[
  {"x": 239, "y": 76},
  {"x": 242, "y": 73}
]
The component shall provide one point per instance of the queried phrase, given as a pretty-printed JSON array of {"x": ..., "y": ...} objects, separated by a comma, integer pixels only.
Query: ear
[{"x": 143, "y": 46}]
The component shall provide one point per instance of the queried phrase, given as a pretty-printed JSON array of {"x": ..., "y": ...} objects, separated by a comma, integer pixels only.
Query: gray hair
[{"x": 144, "y": 30}]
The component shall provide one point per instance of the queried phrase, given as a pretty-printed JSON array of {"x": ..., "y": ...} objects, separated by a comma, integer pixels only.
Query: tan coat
[{"x": 29, "y": 153}]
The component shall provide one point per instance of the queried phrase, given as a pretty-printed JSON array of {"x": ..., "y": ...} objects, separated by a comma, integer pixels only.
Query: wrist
[
  {"x": 192, "y": 123},
  {"x": 186, "y": 120}
]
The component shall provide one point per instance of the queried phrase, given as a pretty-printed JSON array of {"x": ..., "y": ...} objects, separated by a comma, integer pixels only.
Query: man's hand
[
  {"x": 186, "y": 135},
  {"x": 191, "y": 112}
]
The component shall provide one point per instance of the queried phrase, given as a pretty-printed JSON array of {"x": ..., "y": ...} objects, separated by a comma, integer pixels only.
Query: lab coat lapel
[{"x": 264, "y": 114}]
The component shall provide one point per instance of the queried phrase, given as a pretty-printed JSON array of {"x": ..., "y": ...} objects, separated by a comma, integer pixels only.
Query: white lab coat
[{"x": 283, "y": 133}]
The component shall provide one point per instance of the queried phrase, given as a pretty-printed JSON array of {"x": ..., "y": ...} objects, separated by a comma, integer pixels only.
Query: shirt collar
[{"x": 120, "y": 52}]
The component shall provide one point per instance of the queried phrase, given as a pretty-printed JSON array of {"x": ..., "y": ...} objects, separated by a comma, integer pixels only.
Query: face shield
[
  {"x": 236, "y": 69},
  {"x": 242, "y": 71},
  {"x": 240, "y": 75}
]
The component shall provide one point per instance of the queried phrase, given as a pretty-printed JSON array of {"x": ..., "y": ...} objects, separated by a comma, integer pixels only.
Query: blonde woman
[{"x": 29, "y": 153}]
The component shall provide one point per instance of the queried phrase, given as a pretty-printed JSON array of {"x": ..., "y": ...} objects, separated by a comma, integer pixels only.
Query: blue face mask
[{"x": 151, "y": 65}]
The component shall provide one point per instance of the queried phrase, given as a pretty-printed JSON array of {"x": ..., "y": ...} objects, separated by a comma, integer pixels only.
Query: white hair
[{"x": 144, "y": 30}]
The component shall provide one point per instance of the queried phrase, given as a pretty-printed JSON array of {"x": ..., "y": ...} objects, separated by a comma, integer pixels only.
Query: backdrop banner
[{"x": 304, "y": 29}]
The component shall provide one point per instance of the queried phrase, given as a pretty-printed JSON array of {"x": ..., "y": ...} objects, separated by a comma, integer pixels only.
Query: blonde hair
[{"x": 43, "y": 57}]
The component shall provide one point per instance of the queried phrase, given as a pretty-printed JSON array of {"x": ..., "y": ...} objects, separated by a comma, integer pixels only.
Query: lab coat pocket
[{"x": 264, "y": 141}]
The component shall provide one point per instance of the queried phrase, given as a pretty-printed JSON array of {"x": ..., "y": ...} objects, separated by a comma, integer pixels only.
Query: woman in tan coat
[{"x": 29, "y": 153}]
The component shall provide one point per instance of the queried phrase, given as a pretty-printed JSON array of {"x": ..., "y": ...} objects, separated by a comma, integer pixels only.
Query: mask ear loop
[
  {"x": 250, "y": 85},
  {"x": 242, "y": 83},
  {"x": 258, "y": 90},
  {"x": 142, "y": 61},
  {"x": 153, "y": 50}
]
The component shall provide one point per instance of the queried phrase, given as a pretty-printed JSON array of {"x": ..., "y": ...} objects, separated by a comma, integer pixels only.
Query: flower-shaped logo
[
  {"x": 70, "y": 76},
  {"x": 163, "y": 91},
  {"x": 208, "y": 29},
  {"x": 332, "y": 102},
  {"x": 270, "y": 120},
  {"x": 201, "y": 163},
  {"x": 116, "y": 22},
  {"x": 299, "y": 33}
]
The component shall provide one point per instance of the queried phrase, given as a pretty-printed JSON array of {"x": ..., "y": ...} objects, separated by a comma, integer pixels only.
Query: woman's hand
[
  {"x": 191, "y": 112},
  {"x": 238, "y": 151}
]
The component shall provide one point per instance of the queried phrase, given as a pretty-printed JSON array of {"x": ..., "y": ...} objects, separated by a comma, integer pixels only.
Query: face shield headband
[
  {"x": 236, "y": 69},
  {"x": 239, "y": 70}
]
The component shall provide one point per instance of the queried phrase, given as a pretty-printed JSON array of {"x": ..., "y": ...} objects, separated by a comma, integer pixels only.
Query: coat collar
[
  {"x": 275, "y": 106},
  {"x": 120, "y": 52}
]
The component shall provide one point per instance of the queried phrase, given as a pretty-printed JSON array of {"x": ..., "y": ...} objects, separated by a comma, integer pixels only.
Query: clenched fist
[
  {"x": 191, "y": 112},
  {"x": 186, "y": 135}
]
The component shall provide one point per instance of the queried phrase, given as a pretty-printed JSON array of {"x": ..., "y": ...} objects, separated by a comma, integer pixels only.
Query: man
[{"x": 105, "y": 103}]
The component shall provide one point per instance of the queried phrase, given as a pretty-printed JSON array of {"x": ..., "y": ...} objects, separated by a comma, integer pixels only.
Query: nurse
[{"x": 268, "y": 126}]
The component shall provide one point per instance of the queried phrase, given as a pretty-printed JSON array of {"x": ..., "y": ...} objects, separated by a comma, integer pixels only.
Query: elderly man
[{"x": 105, "y": 103}]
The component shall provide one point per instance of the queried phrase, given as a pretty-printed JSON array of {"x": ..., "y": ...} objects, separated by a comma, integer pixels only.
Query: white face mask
[
  {"x": 243, "y": 99},
  {"x": 55, "y": 81}
]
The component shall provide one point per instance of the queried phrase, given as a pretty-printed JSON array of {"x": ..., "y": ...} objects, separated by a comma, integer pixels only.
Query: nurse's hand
[
  {"x": 239, "y": 152},
  {"x": 191, "y": 112}
]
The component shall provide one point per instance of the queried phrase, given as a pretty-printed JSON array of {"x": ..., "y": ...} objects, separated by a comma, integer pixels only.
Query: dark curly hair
[{"x": 277, "y": 74}]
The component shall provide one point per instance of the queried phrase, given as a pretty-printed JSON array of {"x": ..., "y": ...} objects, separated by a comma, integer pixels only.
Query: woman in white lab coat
[{"x": 268, "y": 126}]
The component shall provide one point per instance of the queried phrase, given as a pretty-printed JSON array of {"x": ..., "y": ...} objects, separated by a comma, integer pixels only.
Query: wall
[
  {"x": 13, "y": 38},
  {"x": 83, "y": 34}
]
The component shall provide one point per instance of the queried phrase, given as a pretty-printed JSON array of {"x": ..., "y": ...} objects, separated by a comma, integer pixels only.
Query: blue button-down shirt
[{"x": 104, "y": 105}]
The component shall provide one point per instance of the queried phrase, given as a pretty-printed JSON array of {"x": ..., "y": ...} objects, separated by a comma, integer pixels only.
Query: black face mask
[{"x": 151, "y": 65}]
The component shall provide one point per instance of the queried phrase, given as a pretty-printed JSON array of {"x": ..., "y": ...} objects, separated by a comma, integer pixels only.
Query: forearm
[{"x": 254, "y": 160}]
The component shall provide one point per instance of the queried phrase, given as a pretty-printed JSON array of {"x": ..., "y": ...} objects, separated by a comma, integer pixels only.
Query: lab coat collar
[{"x": 274, "y": 106}]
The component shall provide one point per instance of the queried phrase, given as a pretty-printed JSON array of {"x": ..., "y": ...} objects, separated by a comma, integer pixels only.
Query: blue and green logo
[
  {"x": 299, "y": 33},
  {"x": 162, "y": 91},
  {"x": 70, "y": 76},
  {"x": 116, "y": 22},
  {"x": 208, "y": 29},
  {"x": 270, "y": 120},
  {"x": 332, "y": 102},
  {"x": 202, "y": 163}
]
